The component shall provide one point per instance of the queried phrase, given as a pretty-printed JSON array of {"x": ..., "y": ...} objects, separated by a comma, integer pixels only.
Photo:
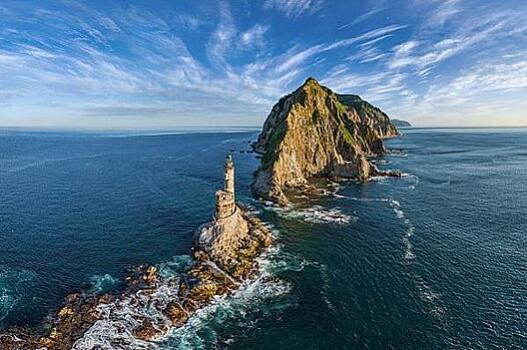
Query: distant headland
[{"x": 401, "y": 123}]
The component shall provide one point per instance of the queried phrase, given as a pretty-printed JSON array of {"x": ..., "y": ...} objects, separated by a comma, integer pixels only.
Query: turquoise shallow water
[{"x": 436, "y": 259}]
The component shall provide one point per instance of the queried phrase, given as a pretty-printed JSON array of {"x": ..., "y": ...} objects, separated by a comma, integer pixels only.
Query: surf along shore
[{"x": 224, "y": 257}]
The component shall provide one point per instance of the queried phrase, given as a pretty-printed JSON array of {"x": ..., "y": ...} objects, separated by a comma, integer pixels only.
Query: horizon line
[{"x": 223, "y": 127}]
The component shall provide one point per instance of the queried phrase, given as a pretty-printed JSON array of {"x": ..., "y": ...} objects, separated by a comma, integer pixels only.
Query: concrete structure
[
  {"x": 225, "y": 199},
  {"x": 229, "y": 174}
]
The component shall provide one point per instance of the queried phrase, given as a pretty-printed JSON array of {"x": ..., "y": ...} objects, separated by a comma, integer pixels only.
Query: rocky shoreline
[{"x": 223, "y": 258}]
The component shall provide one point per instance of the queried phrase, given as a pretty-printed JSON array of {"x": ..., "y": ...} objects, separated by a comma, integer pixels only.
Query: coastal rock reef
[
  {"x": 224, "y": 258},
  {"x": 314, "y": 132}
]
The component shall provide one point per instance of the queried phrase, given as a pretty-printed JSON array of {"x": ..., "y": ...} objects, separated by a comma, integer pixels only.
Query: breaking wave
[
  {"x": 103, "y": 283},
  {"x": 409, "y": 232},
  {"x": 412, "y": 179},
  {"x": 397, "y": 153},
  {"x": 431, "y": 298},
  {"x": 114, "y": 329},
  {"x": 14, "y": 284},
  {"x": 315, "y": 214}
]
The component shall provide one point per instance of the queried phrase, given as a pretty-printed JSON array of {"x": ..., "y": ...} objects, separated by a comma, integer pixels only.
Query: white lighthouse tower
[
  {"x": 225, "y": 199},
  {"x": 229, "y": 175}
]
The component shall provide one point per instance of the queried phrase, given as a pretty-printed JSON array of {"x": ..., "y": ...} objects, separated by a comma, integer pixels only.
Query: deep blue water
[{"x": 434, "y": 260}]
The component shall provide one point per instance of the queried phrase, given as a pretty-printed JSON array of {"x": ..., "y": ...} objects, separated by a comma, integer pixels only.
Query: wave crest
[
  {"x": 119, "y": 318},
  {"x": 315, "y": 214}
]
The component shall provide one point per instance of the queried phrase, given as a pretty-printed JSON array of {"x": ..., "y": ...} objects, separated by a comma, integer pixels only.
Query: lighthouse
[
  {"x": 225, "y": 199},
  {"x": 229, "y": 175}
]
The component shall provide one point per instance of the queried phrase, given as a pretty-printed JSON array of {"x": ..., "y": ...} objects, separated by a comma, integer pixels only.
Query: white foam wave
[
  {"x": 253, "y": 294},
  {"x": 103, "y": 283},
  {"x": 397, "y": 153},
  {"x": 407, "y": 177},
  {"x": 365, "y": 199},
  {"x": 315, "y": 214},
  {"x": 178, "y": 264},
  {"x": 408, "y": 254},
  {"x": 383, "y": 178},
  {"x": 414, "y": 179},
  {"x": 14, "y": 284},
  {"x": 114, "y": 329},
  {"x": 426, "y": 293},
  {"x": 399, "y": 213},
  {"x": 335, "y": 187},
  {"x": 379, "y": 178},
  {"x": 432, "y": 299},
  {"x": 7, "y": 302}
]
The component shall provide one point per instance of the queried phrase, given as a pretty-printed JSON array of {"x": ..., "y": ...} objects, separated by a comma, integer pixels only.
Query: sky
[{"x": 167, "y": 64}]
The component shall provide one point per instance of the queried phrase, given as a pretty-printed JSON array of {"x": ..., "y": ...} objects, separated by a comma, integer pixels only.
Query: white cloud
[
  {"x": 480, "y": 95},
  {"x": 293, "y": 60},
  {"x": 294, "y": 8},
  {"x": 373, "y": 41},
  {"x": 368, "y": 35},
  {"x": 444, "y": 11},
  {"x": 364, "y": 53},
  {"x": 490, "y": 77},
  {"x": 253, "y": 37},
  {"x": 160, "y": 75},
  {"x": 421, "y": 54},
  {"x": 222, "y": 38},
  {"x": 373, "y": 58},
  {"x": 187, "y": 21},
  {"x": 361, "y": 18}
]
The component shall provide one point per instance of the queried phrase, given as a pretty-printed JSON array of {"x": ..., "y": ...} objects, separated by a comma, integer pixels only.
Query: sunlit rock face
[{"x": 314, "y": 132}]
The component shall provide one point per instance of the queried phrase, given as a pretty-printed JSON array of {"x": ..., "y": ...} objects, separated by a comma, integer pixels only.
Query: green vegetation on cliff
[
  {"x": 271, "y": 148},
  {"x": 360, "y": 105},
  {"x": 315, "y": 132}
]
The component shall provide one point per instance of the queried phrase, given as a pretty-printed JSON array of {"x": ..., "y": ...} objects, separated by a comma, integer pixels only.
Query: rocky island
[
  {"x": 314, "y": 132},
  {"x": 224, "y": 258}
]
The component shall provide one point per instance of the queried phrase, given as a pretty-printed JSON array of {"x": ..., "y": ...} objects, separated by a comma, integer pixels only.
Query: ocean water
[{"x": 436, "y": 259}]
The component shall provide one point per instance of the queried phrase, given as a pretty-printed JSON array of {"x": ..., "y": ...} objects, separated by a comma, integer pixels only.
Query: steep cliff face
[{"x": 316, "y": 132}]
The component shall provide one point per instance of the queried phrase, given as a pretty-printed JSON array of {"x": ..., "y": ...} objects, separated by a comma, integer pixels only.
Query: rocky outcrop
[
  {"x": 401, "y": 123},
  {"x": 314, "y": 132},
  {"x": 232, "y": 243},
  {"x": 224, "y": 257}
]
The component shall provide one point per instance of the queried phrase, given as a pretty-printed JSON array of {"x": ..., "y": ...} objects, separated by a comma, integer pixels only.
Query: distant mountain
[
  {"x": 314, "y": 132},
  {"x": 400, "y": 123}
]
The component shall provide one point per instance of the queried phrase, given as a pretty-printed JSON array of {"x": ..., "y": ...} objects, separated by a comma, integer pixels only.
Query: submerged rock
[{"x": 314, "y": 132}]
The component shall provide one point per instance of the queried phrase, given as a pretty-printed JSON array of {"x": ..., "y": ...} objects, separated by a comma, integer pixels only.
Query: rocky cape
[
  {"x": 314, "y": 132},
  {"x": 224, "y": 257},
  {"x": 401, "y": 123}
]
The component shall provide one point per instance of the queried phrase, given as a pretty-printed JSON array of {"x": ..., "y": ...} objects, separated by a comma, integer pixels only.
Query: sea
[{"x": 436, "y": 259}]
